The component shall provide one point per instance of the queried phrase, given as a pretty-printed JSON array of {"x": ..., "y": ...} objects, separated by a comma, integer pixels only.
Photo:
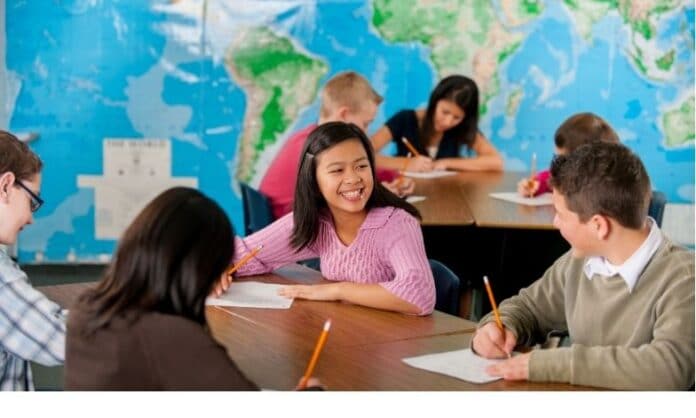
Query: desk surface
[
  {"x": 495, "y": 213},
  {"x": 363, "y": 351},
  {"x": 445, "y": 204},
  {"x": 464, "y": 199}
]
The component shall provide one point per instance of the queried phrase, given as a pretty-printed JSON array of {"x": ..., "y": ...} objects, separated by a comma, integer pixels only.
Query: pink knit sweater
[{"x": 388, "y": 250}]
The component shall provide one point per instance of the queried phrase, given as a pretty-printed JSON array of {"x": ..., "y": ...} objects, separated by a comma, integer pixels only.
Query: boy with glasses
[{"x": 32, "y": 328}]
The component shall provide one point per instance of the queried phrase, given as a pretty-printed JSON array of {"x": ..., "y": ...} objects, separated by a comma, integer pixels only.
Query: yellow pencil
[
  {"x": 315, "y": 356},
  {"x": 532, "y": 170},
  {"x": 531, "y": 180},
  {"x": 494, "y": 306},
  {"x": 410, "y": 147},
  {"x": 230, "y": 271}
]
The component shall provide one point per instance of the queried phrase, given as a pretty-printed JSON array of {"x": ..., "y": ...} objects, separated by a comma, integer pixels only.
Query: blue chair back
[
  {"x": 447, "y": 288},
  {"x": 656, "y": 210},
  {"x": 257, "y": 209}
]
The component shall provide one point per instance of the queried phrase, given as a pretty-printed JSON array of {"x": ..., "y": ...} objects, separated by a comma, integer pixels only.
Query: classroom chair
[
  {"x": 656, "y": 210},
  {"x": 447, "y": 287},
  {"x": 257, "y": 209}
]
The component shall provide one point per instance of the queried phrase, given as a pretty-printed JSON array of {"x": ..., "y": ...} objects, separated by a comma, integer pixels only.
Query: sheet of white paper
[
  {"x": 429, "y": 174},
  {"x": 415, "y": 199},
  {"x": 462, "y": 364},
  {"x": 514, "y": 197},
  {"x": 252, "y": 295}
]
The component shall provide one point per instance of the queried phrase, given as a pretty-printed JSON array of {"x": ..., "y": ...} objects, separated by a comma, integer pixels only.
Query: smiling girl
[{"x": 369, "y": 240}]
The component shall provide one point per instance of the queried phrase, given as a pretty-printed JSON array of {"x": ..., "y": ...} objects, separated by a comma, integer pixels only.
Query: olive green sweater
[{"x": 642, "y": 339}]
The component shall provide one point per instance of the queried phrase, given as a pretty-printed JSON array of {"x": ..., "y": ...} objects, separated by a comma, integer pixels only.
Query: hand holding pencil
[
  {"x": 226, "y": 277},
  {"x": 528, "y": 187},
  {"x": 418, "y": 162},
  {"x": 493, "y": 340}
]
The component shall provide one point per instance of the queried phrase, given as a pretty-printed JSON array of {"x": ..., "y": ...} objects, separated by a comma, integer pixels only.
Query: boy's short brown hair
[
  {"x": 606, "y": 179},
  {"x": 16, "y": 157},
  {"x": 348, "y": 89},
  {"x": 583, "y": 128}
]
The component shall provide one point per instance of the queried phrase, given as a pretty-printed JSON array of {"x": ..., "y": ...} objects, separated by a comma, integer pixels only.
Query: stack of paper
[
  {"x": 514, "y": 197},
  {"x": 415, "y": 199},
  {"x": 252, "y": 295},
  {"x": 429, "y": 174},
  {"x": 462, "y": 364}
]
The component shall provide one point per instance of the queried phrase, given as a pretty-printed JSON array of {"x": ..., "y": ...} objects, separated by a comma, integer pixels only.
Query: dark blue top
[{"x": 405, "y": 124}]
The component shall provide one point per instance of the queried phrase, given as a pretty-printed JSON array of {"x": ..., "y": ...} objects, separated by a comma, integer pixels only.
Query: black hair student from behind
[{"x": 143, "y": 326}]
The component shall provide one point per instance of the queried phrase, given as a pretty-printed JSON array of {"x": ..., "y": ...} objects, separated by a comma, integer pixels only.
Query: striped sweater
[{"x": 388, "y": 250}]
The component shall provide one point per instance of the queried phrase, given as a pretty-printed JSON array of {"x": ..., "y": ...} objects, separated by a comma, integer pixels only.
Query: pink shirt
[
  {"x": 543, "y": 178},
  {"x": 388, "y": 250},
  {"x": 278, "y": 184}
]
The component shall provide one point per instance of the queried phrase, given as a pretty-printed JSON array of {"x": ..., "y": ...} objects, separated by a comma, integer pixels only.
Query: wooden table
[
  {"x": 463, "y": 199},
  {"x": 495, "y": 213},
  {"x": 476, "y": 235},
  {"x": 445, "y": 204},
  {"x": 363, "y": 351}
]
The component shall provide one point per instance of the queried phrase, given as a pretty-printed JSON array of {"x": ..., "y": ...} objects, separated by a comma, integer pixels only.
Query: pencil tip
[
  {"x": 485, "y": 279},
  {"x": 327, "y": 325}
]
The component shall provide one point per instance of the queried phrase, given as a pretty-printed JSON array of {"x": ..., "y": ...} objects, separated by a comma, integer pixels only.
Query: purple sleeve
[
  {"x": 405, "y": 251},
  {"x": 276, "y": 251},
  {"x": 543, "y": 179}
]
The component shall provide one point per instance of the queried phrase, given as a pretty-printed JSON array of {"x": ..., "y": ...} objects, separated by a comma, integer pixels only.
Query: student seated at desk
[
  {"x": 624, "y": 292},
  {"x": 143, "y": 326},
  {"x": 368, "y": 239},
  {"x": 438, "y": 132},
  {"x": 32, "y": 328},
  {"x": 577, "y": 130},
  {"x": 347, "y": 97}
]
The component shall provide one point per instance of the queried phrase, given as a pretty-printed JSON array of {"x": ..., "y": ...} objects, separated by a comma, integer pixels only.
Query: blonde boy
[{"x": 347, "y": 97}]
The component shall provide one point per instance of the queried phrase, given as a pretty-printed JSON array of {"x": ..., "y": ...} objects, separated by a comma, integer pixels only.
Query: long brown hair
[
  {"x": 308, "y": 198},
  {"x": 167, "y": 261},
  {"x": 464, "y": 92}
]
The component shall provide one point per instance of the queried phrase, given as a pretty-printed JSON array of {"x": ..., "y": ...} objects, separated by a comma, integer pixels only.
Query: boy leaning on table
[{"x": 624, "y": 292}]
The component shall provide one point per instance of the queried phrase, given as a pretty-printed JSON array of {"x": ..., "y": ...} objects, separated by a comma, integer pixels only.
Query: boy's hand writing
[
  {"x": 491, "y": 342},
  {"x": 515, "y": 368},
  {"x": 401, "y": 187}
]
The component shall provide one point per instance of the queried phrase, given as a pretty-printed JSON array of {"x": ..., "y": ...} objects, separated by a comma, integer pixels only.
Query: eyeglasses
[{"x": 36, "y": 201}]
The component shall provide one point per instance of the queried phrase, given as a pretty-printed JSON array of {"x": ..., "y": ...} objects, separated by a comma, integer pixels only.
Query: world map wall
[{"x": 129, "y": 98}]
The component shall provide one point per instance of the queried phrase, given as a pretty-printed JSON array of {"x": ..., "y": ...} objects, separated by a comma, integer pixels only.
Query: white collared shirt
[{"x": 631, "y": 269}]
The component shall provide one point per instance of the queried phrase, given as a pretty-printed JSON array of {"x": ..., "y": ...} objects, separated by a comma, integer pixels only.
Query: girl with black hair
[
  {"x": 369, "y": 240},
  {"x": 439, "y": 132}
]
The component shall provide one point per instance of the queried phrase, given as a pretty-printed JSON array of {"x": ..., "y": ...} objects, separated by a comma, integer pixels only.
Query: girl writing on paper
[{"x": 439, "y": 132}]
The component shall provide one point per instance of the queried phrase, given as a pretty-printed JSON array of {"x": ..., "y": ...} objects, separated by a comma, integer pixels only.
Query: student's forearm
[
  {"x": 481, "y": 163},
  {"x": 374, "y": 296},
  {"x": 393, "y": 163},
  {"x": 659, "y": 365}
]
